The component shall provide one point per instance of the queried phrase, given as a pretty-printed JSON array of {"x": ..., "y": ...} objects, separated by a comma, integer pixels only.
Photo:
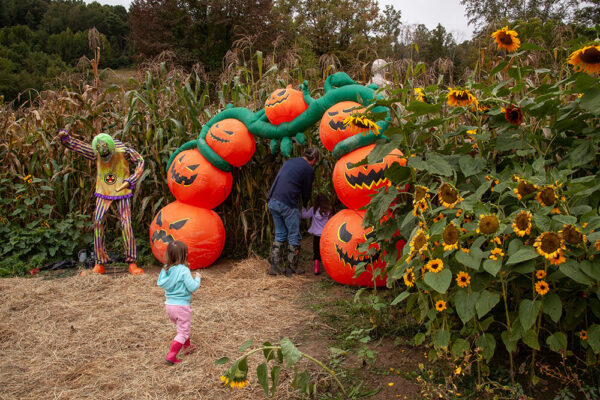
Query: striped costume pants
[{"x": 124, "y": 207}]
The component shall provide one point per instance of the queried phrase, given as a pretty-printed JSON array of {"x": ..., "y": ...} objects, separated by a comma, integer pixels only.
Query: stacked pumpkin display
[
  {"x": 354, "y": 186},
  {"x": 199, "y": 187}
]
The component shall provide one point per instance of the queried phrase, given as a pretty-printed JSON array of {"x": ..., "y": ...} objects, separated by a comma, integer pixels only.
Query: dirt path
[{"x": 105, "y": 337}]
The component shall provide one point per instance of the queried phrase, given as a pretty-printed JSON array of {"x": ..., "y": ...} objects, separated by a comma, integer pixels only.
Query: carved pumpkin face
[
  {"x": 201, "y": 229},
  {"x": 283, "y": 105},
  {"x": 231, "y": 140},
  {"x": 340, "y": 239},
  {"x": 333, "y": 130},
  {"x": 193, "y": 180},
  {"x": 355, "y": 185}
]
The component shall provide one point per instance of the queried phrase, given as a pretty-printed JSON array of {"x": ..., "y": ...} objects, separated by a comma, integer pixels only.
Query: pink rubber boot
[
  {"x": 188, "y": 347},
  {"x": 317, "y": 272},
  {"x": 172, "y": 356}
]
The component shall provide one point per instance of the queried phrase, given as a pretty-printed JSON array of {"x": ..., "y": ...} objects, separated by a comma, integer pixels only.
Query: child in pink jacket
[{"x": 320, "y": 214}]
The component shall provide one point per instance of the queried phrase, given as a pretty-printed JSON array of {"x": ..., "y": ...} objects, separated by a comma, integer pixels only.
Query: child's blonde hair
[{"x": 177, "y": 253}]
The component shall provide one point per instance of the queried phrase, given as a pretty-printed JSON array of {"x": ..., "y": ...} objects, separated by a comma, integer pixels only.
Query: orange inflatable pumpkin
[
  {"x": 355, "y": 185},
  {"x": 283, "y": 105},
  {"x": 332, "y": 129},
  {"x": 231, "y": 140},
  {"x": 201, "y": 229},
  {"x": 340, "y": 239},
  {"x": 195, "y": 181}
]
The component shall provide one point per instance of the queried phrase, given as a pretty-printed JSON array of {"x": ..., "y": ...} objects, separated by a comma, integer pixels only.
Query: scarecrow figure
[{"x": 113, "y": 183}]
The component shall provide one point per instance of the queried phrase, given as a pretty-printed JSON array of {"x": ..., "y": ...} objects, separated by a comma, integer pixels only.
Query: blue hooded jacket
[{"x": 178, "y": 285}]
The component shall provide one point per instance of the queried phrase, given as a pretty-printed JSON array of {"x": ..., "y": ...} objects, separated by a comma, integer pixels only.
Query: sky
[{"x": 450, "y": 13}]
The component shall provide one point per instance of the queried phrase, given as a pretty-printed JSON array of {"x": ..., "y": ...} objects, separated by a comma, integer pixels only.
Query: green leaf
[
  {"x": 594, "y": 338},
  {"x": 290, "y": 352},
  {"x": 464, "y": 302},
  {"x": 222, "y": 360},
  {"x": 419, "y": 339},
  {"x": 421, "y": 108},
  {"x": 591, "y": 100},
  {"x": 460, "y": 347},
  {"x": 552, "y": 306},
  {"x": 275, "y": 378},
  {"x": 487, "y": 301},
  {"x": 571, "y": 269},
  {"x": 400, "y": 298},
  {"x": 439, "y": 282},
  {"x": 530, "y": 338},
  {"x": 471, "y": 165},
  {"x": 557, "y": 342},
  {"x": 542, "y": 221},
  {"x": 487, "y": 344},
  {"x": 468, "y": 260},
  {"x": 591, "y": 269},
  {"x": 261, "y": 373},
  {"x": 268, "y": 353},
  {"x": 523, "y": 254},
  {"x": 528, "y": 312},
  {"x": 492, "y": 266},
  {"x": 441, "y": 338},
  {"x": 397, "y": 174},
  {"x": 437, "y": 165},
  {"x": 245, "y": 345},
  {"x": 509, "y": 342}
]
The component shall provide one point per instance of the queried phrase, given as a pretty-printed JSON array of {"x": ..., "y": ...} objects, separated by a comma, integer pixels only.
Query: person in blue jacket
[
  {"x": 295, "y": 179},
  {"x": 176, "y": 279}
]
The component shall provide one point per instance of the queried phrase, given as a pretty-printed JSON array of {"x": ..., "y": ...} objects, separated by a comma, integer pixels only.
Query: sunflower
[
  {"x": 439, "y": 217},
  {"x": 419, "y": 243},
  {"x": 558, "y": 258},
  {"x": 362, "y": 122},
  {"x": 507, "y": 39},
  {"x": 436, "y": 265},
  {"x": 597, "y": 245},
  {"x": 513, "y": 115},
  {"x": 540, "y": 274},
  {"x": 450, "y": 236},
  {"x": 547, "y": 196},
  {"x": 463, "y": 279},
  {"x": 440, "y": 305},
  {"x": 586, "y": 59},
  {"x": 421, "y": 206},
  {"x": 572, "y": 235},
  {"x": 459, "y": 97},
  {"x": 448, "y": 196},
  {"x": 234, "y": 383},
  {"x": 524, "y": 189},
  {"x": 583, "y": 335},
  {"x": 488, "y": 224},
  {"x": 420, "y": 94},
  {"x": 549, "y": 245},
  {"x": 409, "y": 278},
  {"x": 472, "y": 132},
  {"x": 522, "y": 223},
  {"x": 542, "y": 287},
  {"x": 496, "y": 252}
]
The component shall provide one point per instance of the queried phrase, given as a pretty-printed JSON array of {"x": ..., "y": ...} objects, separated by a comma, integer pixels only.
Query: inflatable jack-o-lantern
[
  {"x": 283, "y": 105},
  {"x": 201, "y": 229},
  {"x": 340, "y": 239},
  {"x": 231, "y": 140},
  {"x": 355, "y": 185},
  {"x": 333, "y": 130},
  {"x": 194, "y": 180}
]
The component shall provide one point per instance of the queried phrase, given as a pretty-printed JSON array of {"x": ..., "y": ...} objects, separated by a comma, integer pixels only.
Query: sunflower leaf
[
  {"x": 552, "y": 306},
  {"x": 439, "y": 282},
  {"x": 523, "y": 254},
  {"x": 528, "y": 312},
  {"x": 487, "y": 301},
  {"x": 571, "y": 269},
  {"x": 557, "y": 342}
]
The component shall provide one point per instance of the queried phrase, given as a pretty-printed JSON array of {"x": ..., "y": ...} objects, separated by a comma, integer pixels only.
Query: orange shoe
[
  {"x": 135, "y": 270},
  {"x": 99, "y": 268}
]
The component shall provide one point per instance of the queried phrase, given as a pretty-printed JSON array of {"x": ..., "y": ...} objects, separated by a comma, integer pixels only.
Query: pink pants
[{"x": 181, "y": 316}]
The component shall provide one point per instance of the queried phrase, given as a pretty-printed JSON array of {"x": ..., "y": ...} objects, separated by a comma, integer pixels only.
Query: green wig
[{"x": 106, "y": 139}]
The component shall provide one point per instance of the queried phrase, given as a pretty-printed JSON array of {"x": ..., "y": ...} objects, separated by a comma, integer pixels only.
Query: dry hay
[{"x": 105, "y": 337}]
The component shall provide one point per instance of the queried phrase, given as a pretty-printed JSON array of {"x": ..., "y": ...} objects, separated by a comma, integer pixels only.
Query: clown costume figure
[{"x": 113, "y": 183}]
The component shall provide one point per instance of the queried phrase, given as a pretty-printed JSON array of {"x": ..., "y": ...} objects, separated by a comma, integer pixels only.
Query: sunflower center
[
  {"x": 419, "y": 241},
  {"x": 547, "y": 196},
  {"x": 522, "y": 221},
  {"x": 488, "y": 224},
  {"x": 591, "y": 56},
  {"x": 505, "y": 38},
  {"x": 525, "y": 188},
  {"x": 450, "y": 234},
  {"x": 449, "y": 195},
  {"x": 572, "y": 235},
  {"x": 419, "y": 193},
  {"x": 550, "y": 243}
]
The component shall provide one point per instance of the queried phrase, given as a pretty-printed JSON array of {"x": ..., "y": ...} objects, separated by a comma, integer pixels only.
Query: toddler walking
[
  {"x": 320, "y": 214},
  {"x": 176, "y": 279}
]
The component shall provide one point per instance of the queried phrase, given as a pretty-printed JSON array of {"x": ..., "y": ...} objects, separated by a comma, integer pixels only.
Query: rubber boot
[
  {"x": 276, "y": 253},
  {"x": 188, "y": 347},
  {"x": 293, "y": 257},
  {"x": 135, "y": 270},
  {"x": 172, "y": 356},
  {"x": 317, "y": 271}
]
